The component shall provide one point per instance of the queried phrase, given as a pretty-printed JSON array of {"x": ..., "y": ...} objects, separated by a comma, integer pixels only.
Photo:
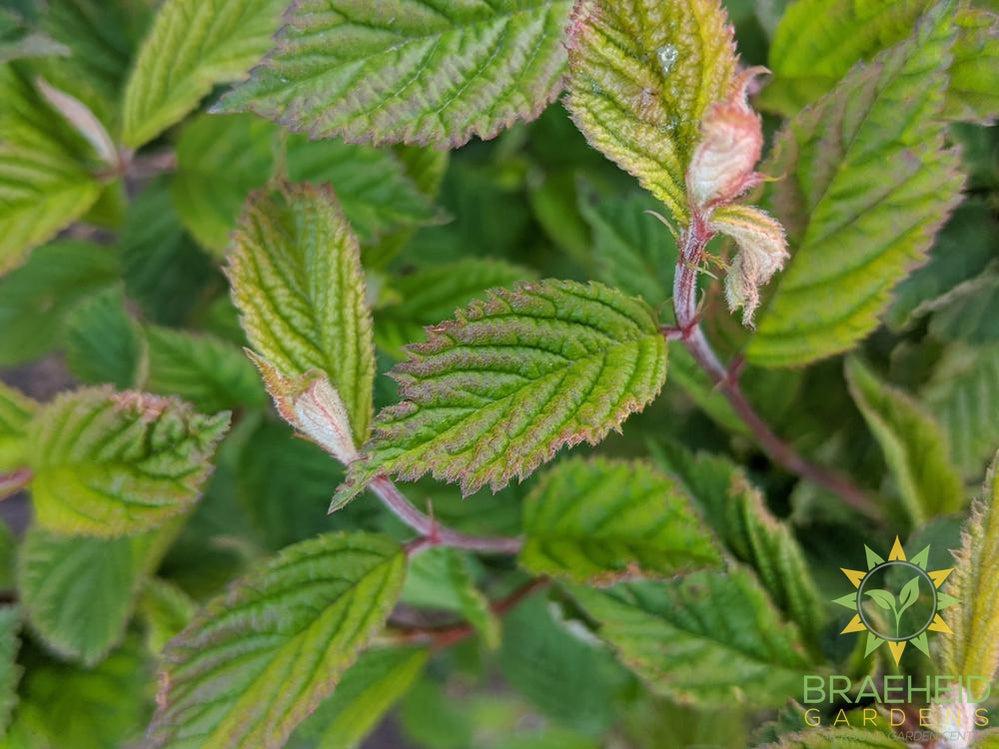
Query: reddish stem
[
  {"x": 444, "y": 637},
  {"x": 696, "y": 238},
  {"x": 12, "y": 483},
  {"x": 432, "y": 532}
]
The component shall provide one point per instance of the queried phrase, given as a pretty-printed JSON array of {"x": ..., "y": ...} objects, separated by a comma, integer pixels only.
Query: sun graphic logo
[{"x": 897, "y": 601}]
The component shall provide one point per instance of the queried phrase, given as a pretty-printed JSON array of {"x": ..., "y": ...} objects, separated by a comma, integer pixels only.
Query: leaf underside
[
  {"x": 495, "y": 392},
  {"x": 259, "y": 659},
  {"x": 409, "y": 72},
  {"x": 868, "y": 184}
]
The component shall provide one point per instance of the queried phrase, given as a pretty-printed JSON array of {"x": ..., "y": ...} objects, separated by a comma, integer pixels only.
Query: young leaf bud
[
  {"x": 721, "y": 168},
  {"x": 762, "y": 252},
  {"x": 313, "y": 406}
]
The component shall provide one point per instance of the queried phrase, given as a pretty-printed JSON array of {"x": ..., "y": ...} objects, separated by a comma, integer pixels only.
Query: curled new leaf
[
  {"x": 108, "y": 464},
  {"x": 643, "y": 75},
  {"x": 497, "y": 391}
]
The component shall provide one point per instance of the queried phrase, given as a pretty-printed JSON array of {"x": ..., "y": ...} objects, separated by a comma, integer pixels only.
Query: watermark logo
[{"x": 897, "y": 601}]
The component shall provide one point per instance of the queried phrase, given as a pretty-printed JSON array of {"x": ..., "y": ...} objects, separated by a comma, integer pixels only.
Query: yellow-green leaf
[
  {"x": 642, "y": 75},
  {"x": 16, "y": 411}
]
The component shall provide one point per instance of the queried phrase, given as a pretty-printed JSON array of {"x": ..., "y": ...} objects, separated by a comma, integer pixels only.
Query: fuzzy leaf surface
[
  {"x": 868, "y": 185},
  {"x": 738, "y": 512},
  {"x": 495, "y": 392},
  {"x": 963, "y": 396},
  {"x": 10, "y": 671},
  {"x": 259, "y": 659},
  {"x": 678, "y": 639},
  {"x": 108, "y": 464},
  {"x": 642, "y": 75},
  {"x": 192, "y": 46},
  {"x": 210, "y": 373},
  {"x": 600, "y": 520},
  {"x": 297, "y": 281},
  {"x": 45, "y": 182},
  {"x": 914, "y": 445},
  {"x": 16, "y": 412},
  {"x": 973, "y": 649},
  {"x": 410, "y": 70},
  {"x": 78, "y": 593},
  {"x": 367, "y": 691}
]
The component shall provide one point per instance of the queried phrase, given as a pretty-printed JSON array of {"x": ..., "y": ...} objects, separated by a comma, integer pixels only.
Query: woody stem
[{"x": 688, "y": 330}]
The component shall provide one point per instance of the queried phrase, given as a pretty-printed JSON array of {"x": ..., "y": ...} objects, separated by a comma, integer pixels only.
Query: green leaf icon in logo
[{"x": 906, "y": 597}]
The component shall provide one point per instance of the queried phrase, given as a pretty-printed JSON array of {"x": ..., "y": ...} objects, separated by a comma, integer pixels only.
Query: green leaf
[
  {"x": 103, "y": 343},
  {"x": 908, "y": 595},
  {"x": 10, "y": 671},
  {"x": 962, "y": 250},
  {"x": 166, "y": 610},
  {"x": 367, "y": 691},
  {"x": 297, "y": 281},
  {"x": 496, "y": 391},
  {"x": 192, "y": 46},
  {"x": 45, "y": 185},
  {"x": 107, "y": 464},
  {"x": 710, "y": 638},
  {"x": 643, "y": 74},
  {"x": 84, "y": 708},
  {"x": 472, "y": 603},
  {"x": 258, "y": 660},
  {"x": 868, "y": 185},
  {"x": 165, "y": 271},
  {"x": 219, "y": 161},
  {"x": 818, "y": 41},
  {"x": 914, "y": 446},
  {"x": 973, "y": 649},
  {"x": 738, "y": 512},
  {"x": 970, "y": 311},
  {"x": 632, "y": 250},
  {"x": 963, "y": 396},
  {"x": 882, "y": 598},
  {"x": 837, "y": 738},
  {"x": 600, "y": 520},
  {"x": 434, "y": 292},
  {"x": 377, "y": 194},
  {"x": 78, "y": 593},
  {"x": 16, "y": 412},
  {"x": 433, "y": 74},
  {"x": 36, "y": 299},
  {"x": 18, "y": 39},
  {"x": 210, "y": 373}
]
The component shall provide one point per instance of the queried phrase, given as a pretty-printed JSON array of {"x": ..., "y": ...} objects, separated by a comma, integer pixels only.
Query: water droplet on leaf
[{"x": 668, "y": 55}]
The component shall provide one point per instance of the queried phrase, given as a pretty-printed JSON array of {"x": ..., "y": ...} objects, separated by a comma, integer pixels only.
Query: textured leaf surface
[
  {"x": 410, "y": 70},
  {"x": 643, "y": 73},
  {"x": 837, "y": 738},
  {"x": 206, "y": 371},
  {"x": 739, "y": 514},
  {"x": 78, "y": 593},
  {"x": 260, "y": 658},
  {"x": 192, "y": 46},
  {"x": 495, "y": 392},
  {"x": 973, "y": 649},
  {"x": 10, "y": 671},
  {"x": 687, "y": 647},
  {"x": 36, "y": 299},
  {"x": 103, "y": 343},
  {"x": 16, "y": 411},
  {"x": 868, "y": 185},
  {"x": 367, "y": 691},
  {"x": 108, "y": 464},
  {"x": 963, "y": 396},
  {"x": 632, "y": 250},
  {"x": 433, "y": 293},
  {"x": 599, "y": 520},
  {"x": 44, "y": 183},
  {"x": 297, "y": 281},
  {"x": 914, "y": 446}
]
